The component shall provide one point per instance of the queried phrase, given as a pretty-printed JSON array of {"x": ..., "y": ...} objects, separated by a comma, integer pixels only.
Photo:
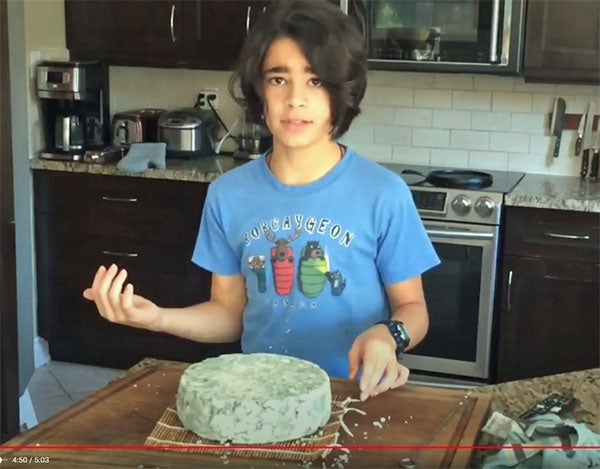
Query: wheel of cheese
[{"x": 253, "y": 398}]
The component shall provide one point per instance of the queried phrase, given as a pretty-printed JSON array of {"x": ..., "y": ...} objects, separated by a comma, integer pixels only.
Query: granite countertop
[
  {"x": 201, "y": 169},
  {"x": 556, "y": 192},
  {"x": 534, "y": 190},
  {"x": 515, "y": 397}
]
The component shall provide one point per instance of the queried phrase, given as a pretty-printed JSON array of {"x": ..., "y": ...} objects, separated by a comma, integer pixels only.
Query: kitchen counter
[
  {"x": 556, "y": 192},
  {"x": 202, "y": 169},
  {"x": 515, "y": 397},
  {"x": 534, "y": 190}
]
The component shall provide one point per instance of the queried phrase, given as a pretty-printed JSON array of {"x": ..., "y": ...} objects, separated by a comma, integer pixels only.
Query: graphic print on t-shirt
[
  {"x": 257, "y": 265},
  {"x": 282, "y": 259},
  {"x": 311, "y": 272}
]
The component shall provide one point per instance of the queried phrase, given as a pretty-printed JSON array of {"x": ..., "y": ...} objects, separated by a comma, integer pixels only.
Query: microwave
[{"x": 480, "y": 36}]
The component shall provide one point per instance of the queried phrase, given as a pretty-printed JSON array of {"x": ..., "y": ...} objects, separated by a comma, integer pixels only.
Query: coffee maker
[{"x": 74, "y": 100}]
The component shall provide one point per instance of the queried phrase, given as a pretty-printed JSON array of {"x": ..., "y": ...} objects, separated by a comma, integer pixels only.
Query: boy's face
[{"x": 296, "y": 107}]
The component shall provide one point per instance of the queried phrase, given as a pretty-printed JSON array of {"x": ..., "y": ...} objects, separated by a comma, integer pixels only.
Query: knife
[
  {"x": 580, "y": 128},
  {"x": 556, "y": 125},
  {"x": 595, "y": 157},
  {"x": 587, "y": 139}
]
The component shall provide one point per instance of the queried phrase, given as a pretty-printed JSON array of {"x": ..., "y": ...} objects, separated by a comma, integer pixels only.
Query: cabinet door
[
  {"x": 561, "y": 42},
  {"x": 215, "y": 31},
  {"x": 126, "y": 32},
  {"x": 548, "y": 319}
]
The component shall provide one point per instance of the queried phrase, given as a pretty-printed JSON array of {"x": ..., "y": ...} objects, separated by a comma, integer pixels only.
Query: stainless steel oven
[
  {"x": 462, "y": 213},
  {"x": 460, "y": 301},
  {"x": 484, "y": 36}
]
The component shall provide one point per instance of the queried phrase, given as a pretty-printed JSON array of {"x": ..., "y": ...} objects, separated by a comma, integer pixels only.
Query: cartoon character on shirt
[
  {"x": 257, "y": 265},
  {"x": 337, "y": 282},
  {"x": 312, "y": 270},
  {"x": 282, "y": 260}
]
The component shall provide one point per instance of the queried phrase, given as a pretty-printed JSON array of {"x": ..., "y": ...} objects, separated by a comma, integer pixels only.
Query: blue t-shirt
[{"x": 315, "y": 257}]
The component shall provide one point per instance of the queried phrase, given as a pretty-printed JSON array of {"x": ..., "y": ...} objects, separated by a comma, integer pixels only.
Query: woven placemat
[{"x": 170, "y": 432}]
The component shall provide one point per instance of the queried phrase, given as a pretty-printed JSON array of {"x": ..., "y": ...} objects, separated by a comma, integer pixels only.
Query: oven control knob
[
  {"x": 461, "y": 204},
  {"x": 484, "y": 207}
]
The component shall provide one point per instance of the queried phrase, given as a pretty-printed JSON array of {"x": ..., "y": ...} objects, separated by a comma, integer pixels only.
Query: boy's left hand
[{"x": 375, "y": 350}]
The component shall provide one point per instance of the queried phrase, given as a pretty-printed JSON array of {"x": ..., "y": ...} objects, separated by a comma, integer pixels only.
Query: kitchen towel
[
  {"x": 525, "y": 437},
  {"x": 142, "y": 156}
]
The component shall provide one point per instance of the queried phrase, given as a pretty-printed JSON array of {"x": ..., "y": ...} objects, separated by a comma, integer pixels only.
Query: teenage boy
[{"x": 315, "y": 251}]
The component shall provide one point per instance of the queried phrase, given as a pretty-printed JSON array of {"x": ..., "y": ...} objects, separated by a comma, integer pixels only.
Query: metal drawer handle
[
  {"x": 459, "y": 234},
  {"x": 120, "y": 254},
  {"x": 248, "y": 19},
  {"x": 494, "y": 31},
  {"x": 508, "y": 300},
  {"x": 172, "y": 23},
  {"x": 120, "y": 199},
  {"x": 567, "y": 236}
]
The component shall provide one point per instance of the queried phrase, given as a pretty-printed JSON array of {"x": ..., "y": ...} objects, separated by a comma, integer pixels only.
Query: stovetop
[
  {"x": 502, "y": 181},
  {"x": 482, "y": 205}
]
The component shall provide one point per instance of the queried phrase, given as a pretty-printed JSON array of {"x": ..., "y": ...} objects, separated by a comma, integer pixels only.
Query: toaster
[
  {"x": 187, "y": 132},
  {"x": 140, "y": 125}
]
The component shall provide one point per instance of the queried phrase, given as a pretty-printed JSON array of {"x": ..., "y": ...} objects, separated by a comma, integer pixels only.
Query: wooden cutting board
[{"x": 125, "y": 412}]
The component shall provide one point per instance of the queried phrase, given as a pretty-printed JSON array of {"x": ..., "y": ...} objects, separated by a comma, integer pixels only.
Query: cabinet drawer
[
  {"x": 156, "y": 210},
  {"x": 552, "y": 234}
]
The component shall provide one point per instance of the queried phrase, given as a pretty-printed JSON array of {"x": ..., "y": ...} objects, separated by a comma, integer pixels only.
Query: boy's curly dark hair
[{"x": 333, "y": 46}]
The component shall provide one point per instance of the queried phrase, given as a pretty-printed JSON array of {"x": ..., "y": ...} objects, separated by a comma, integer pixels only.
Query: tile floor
[{"x": 58, "y": 385}]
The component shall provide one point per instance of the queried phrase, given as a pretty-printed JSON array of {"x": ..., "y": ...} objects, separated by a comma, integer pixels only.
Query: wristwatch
[{"x": 399, "y": 333}]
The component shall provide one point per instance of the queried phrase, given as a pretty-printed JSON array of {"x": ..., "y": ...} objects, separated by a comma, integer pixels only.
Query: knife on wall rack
[
  {"x": 556, "y": 125},
  {"x": 587, "y": 139},
  {"x": 580, "y": 129},
  {"x": 595, "y": 157}
]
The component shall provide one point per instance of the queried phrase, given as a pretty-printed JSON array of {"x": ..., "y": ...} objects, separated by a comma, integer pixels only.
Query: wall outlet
[{"x": 203, "y": 98}]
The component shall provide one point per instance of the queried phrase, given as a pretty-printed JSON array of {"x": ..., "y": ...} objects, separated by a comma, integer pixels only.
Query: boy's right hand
[{"x": 121, "y": 305}]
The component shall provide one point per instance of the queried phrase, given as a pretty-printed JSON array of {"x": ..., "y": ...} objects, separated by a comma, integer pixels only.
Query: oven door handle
[{"x": 459, "y": 234}]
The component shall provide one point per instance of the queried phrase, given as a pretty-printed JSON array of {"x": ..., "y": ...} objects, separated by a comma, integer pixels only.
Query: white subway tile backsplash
[
  {"x": 431, "y": 138},
  {"x": 529, "y": 123},
  {"x": 544, "y": 164},
  {"x": 437, "y": 99},
  {"x": 393, "y": 135},
  {"x": 509, "y": 142},
  {"x": 444, "y": 119},
  {"x": 389, "y": 96},
  {"x": 580, "y": 104},
  {"x": 493, "y": 160},
  {"x": 469, "y": 140},
  {"x": 450, "y": 81},
  {"x": 516, "y": 102},
  {"x": 376, "y": 115},
  {"x": 494, "y": 83},
  {"x": 450, "y": 158},
  {"x": 472, "y": 100},
  {"x": 411, "y": 155},
  {"x": 400, "y": 79},
  {"x": 520, "y": 85},
  {"x": 541, "y": 144},
  {"x": 544, "y": 144},
  {"x": 487, "y": 120},
  {"x": 364, "y": 133},
  {"x": 544, "y": 103},
  {"x": 585, "y": 90},
  {"x": 413, "y": 117},
  {"x": 374, "y": 151}
]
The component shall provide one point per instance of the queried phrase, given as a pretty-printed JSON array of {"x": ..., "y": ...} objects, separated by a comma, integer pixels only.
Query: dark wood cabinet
[
  {"x": 550, "y": 299},
  {"x": 126, "y": 32},
  {"x": 561, "y": 41},
  {"x": 145, "y": 226},
  {"x": 205, "y": 34}
]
